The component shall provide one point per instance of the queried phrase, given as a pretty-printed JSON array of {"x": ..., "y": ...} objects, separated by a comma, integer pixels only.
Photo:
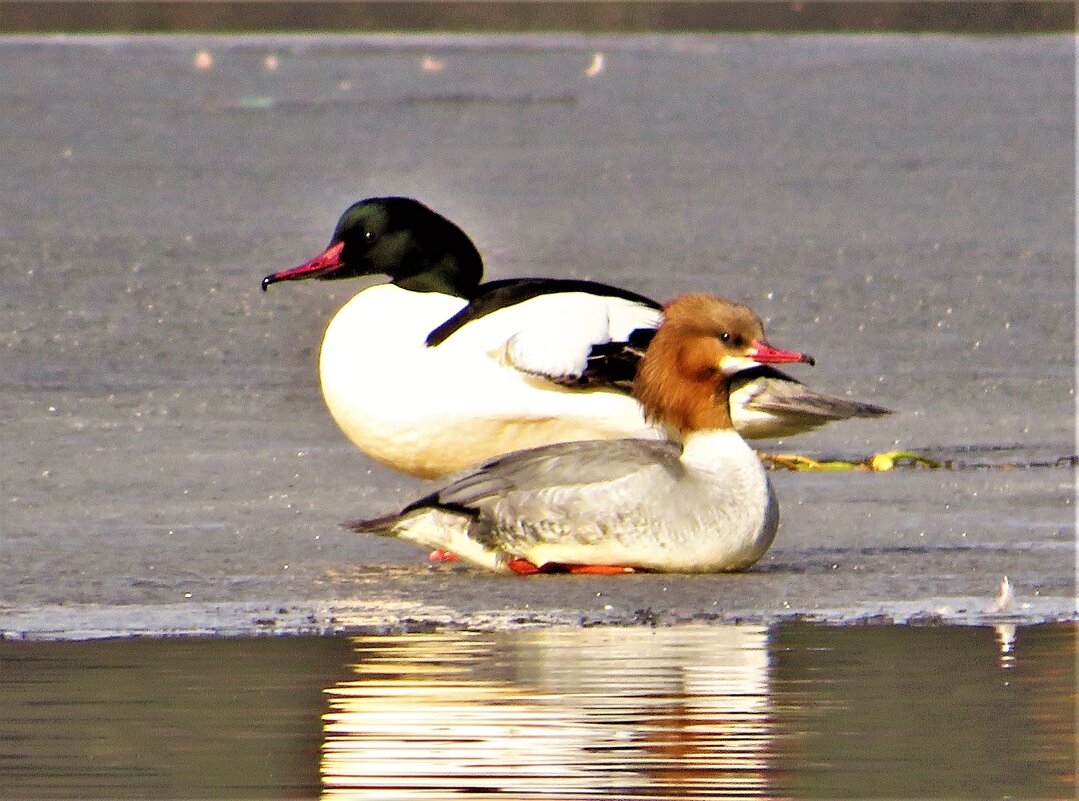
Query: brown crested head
[{"x": 682, "y": 381}]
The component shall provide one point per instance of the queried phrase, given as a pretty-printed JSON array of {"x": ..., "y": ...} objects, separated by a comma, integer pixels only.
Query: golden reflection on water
[
  {"x": 1006, "y": 642},
  {"x": 582, "y": 713}
]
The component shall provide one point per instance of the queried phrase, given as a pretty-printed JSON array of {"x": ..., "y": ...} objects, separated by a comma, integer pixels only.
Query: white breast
[{"x": 431, "y": 411}]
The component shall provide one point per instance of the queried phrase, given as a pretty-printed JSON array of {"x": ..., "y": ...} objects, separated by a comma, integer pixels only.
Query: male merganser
[
  {"x": 703, "y": 504},
  {"x": 435, "y": 371}
]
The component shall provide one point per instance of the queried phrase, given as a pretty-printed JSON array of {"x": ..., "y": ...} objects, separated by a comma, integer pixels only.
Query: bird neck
[
  {"x": 722, "y": 458},
  {"x": 682, "y": 408},
  {"x": 447, "y": 275}
]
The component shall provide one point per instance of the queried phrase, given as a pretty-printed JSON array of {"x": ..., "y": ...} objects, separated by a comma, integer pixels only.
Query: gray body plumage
[{"x": 632, "y": 502}]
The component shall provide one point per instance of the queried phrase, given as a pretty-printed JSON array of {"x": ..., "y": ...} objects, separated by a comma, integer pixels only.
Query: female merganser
[
  {"x": 435, "y": 371},
  {"x": 703, "y": 504}
]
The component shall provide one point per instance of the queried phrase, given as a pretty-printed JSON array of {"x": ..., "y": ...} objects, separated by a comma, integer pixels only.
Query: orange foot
[
  {"x": 441, "y": 556},
  {"x": 525, "y": 568}
]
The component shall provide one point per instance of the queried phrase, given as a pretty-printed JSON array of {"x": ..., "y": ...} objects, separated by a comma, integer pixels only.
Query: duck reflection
[{"x": 581, "y": 713}]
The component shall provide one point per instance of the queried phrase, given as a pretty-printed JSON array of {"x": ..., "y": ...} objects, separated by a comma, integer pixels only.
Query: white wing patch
[
  {"x": 627, "y": 316},
  {"x": 555, "y": 333}
]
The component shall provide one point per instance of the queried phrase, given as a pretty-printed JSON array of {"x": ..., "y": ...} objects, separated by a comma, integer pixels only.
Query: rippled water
[{"x": 794, "y": 710}]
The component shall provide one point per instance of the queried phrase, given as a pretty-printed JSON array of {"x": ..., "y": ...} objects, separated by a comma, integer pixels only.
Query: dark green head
[{"x": 398, "y": 237}]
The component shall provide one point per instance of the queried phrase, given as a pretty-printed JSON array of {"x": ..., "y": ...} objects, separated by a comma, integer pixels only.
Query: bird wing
[
  {"x": 613, "y": 365},
  {"x": 772, "y": 391},
  {"x": 574, "y": 333},
  {"x": 562, "y": 465}
]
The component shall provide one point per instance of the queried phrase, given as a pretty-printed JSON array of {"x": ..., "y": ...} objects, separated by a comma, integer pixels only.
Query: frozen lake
[{"x": 900, "y": 207}]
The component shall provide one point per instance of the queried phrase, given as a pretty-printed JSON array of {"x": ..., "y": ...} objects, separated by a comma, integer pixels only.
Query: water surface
[{"x": 794, "y": 710}]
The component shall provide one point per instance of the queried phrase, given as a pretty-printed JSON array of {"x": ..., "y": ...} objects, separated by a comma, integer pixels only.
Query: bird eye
[
  {"x": 725, "y": 337},
  {"x": 369, "y": 237}
]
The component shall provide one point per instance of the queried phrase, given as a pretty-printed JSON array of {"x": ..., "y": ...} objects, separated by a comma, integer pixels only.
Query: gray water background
[
  {"x": 900, "y": 206},
  {"x": 792, "y": 710}
]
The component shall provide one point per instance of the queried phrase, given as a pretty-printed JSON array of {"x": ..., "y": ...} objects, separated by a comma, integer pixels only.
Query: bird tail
[{"x": 383, "y": 526}]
